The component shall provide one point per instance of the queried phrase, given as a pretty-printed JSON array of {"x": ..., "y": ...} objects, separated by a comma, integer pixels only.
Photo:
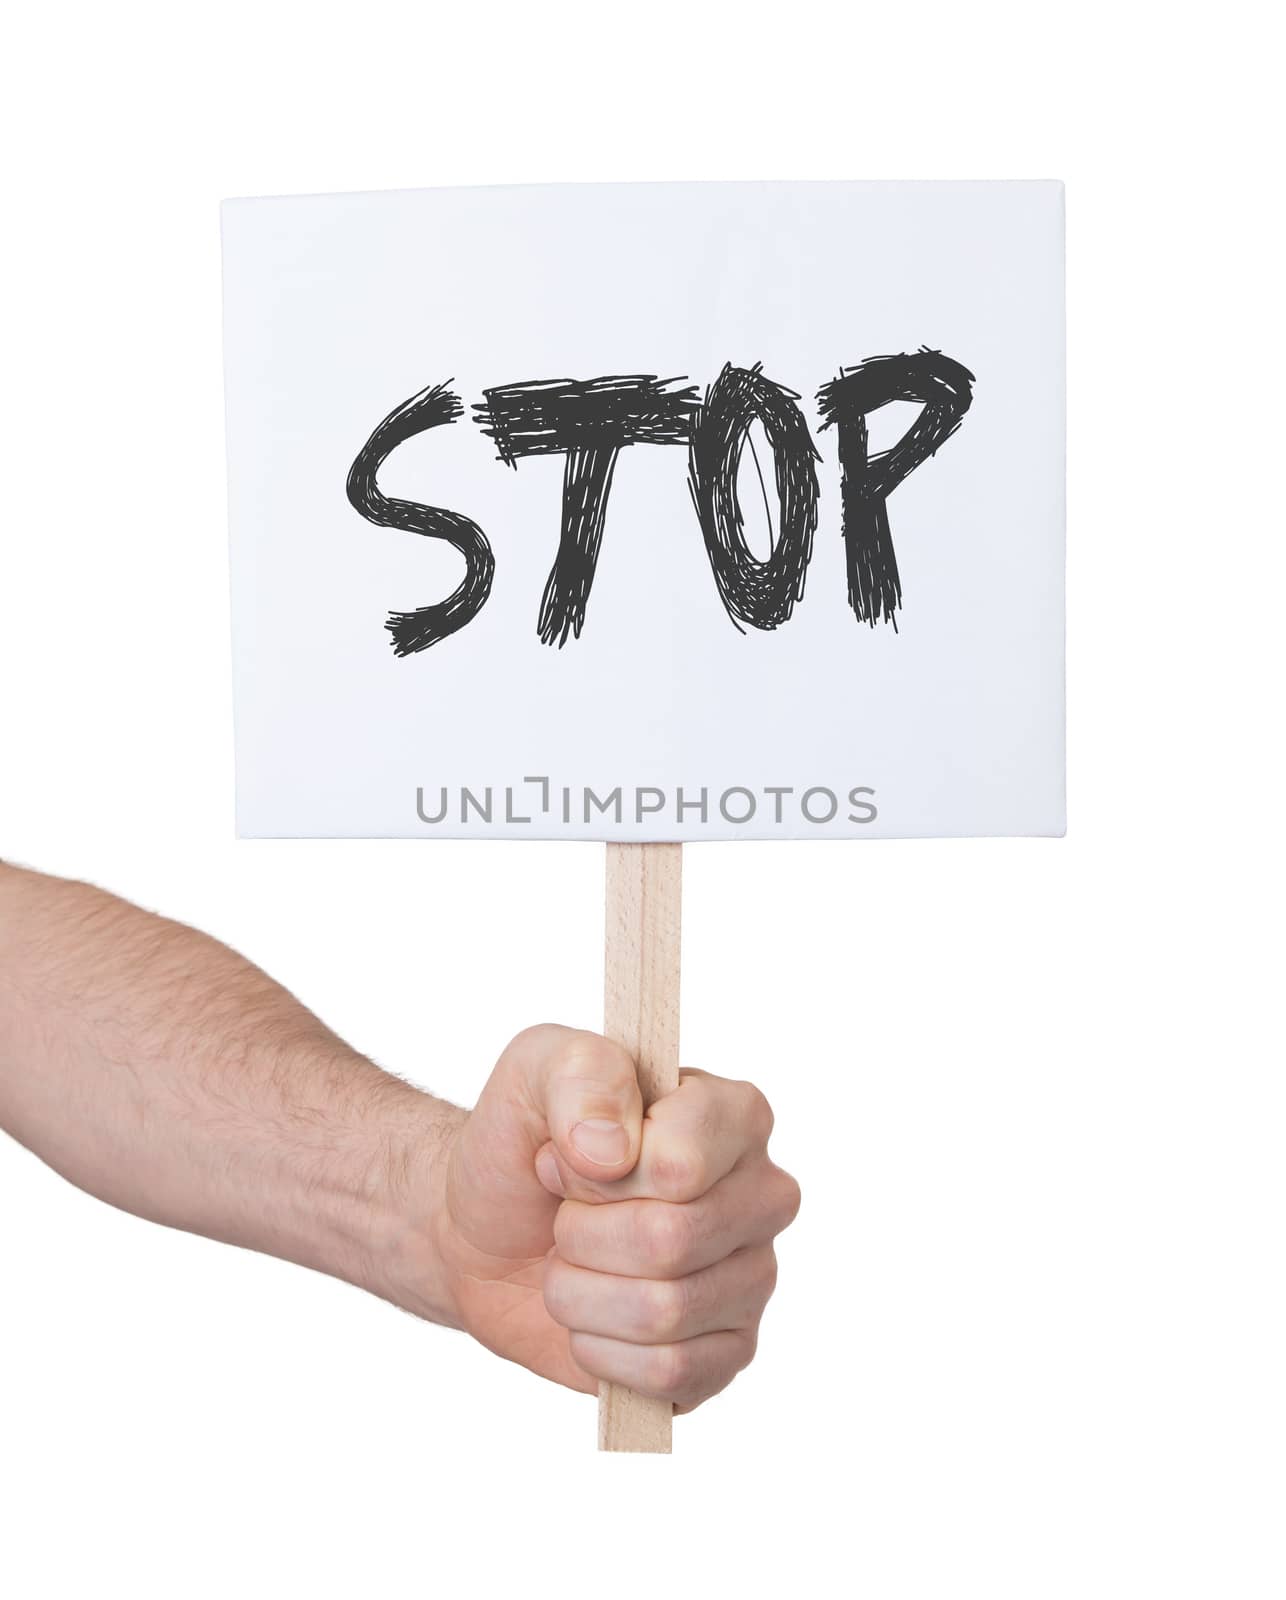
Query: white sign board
[{"x": 692, "y": 511}]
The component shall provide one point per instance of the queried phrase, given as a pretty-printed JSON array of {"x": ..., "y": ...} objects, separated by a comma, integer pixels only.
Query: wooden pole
[{"x": 641, "y": 1011}]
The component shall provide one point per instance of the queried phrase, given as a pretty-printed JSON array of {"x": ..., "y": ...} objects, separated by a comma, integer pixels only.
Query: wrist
[
  {"x": 351, "y": 1183},
  {"x": 404, "y": 1208}
]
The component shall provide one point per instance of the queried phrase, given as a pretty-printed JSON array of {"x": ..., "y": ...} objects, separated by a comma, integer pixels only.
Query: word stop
[{"x": 589, "y": 423}]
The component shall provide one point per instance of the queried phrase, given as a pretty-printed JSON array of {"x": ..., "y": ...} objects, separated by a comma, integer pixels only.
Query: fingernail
[
  {"x": 547, "y": 1171},
  {"x": 603, "y": 1142}
]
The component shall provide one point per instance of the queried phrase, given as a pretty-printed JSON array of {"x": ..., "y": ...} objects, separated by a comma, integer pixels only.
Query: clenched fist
[
  {"x": 590, "y": 1240},
  {"x": 555, "y": 1221}
]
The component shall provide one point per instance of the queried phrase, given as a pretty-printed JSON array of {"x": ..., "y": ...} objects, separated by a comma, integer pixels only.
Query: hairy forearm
[{"x": 162, "y": 1072}]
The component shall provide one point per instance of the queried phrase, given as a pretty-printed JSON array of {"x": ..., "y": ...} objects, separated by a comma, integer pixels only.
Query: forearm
[{"x": 162, "y": 1072}]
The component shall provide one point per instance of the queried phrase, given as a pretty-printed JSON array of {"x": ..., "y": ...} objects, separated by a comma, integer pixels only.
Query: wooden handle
[{"x": 641, "y": 1011}]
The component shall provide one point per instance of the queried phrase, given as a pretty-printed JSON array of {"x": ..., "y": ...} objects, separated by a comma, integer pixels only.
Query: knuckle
[
  {"x": 589, "y": 1056},
  {"x": 781, "y": 1199},
  {"x": 665, "y": 1236},
  {"x": 537, "y": 1037},
  {"x": 758, "y": 1113},
  {"x": 664, "y": 1307},
  {"x": 680, "y": 1171},
  {"x": 669, "y": 1369},
  {"x": 766, "y": 1279},
  {"x": 786, "y": 1199}
]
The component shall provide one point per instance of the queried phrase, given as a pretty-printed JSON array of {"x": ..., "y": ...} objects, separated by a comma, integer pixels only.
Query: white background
[
  {"x": 1028, "y": 1339},
  {"x": 339, "y": 308}
]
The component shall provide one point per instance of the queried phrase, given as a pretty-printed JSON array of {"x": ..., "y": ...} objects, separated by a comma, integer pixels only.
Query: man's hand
[
  {"x": 587, "y": 1240},
  {"x": 164, "y": 1073}
]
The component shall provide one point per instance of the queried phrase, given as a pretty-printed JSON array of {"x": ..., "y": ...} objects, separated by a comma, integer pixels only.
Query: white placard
[{"x": 674, "y": 511}]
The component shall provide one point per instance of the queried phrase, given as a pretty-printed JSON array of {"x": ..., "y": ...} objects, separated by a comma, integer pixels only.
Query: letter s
[{"x": 417, "y": 630}]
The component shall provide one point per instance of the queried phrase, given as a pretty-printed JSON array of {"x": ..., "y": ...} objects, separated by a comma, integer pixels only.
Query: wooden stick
[{"x": 641, "y": 1011}]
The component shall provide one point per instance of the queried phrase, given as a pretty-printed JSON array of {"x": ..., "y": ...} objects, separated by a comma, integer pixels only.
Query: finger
[
  {"x": 690, "y": 1140},
  {"x": 685, "y": 1373},
  {"x": 656, "y": 1239},
  {"x": 730, "y": 1295}
]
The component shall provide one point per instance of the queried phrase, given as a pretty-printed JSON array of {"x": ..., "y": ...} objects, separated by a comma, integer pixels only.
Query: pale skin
[{"x": 555, "y": 1222}]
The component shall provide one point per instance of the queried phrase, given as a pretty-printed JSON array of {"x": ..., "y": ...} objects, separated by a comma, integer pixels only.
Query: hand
[{"x": 589, "y": 1241}]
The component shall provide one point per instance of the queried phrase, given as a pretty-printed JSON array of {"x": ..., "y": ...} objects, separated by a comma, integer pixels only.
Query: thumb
[
  {"x": 558, "y": 1098},
  {"x": 587, "y": 1092}
]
